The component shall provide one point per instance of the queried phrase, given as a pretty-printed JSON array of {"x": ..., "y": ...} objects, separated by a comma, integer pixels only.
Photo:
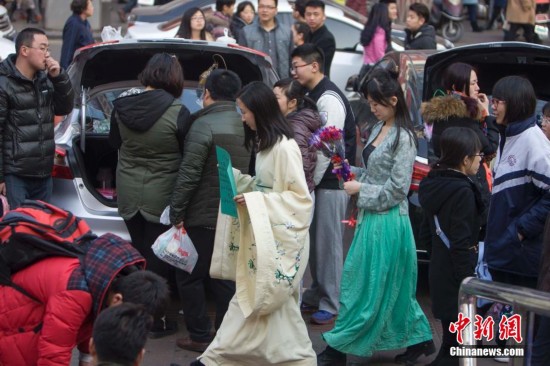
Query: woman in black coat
[{"x": 450, "y": 195}]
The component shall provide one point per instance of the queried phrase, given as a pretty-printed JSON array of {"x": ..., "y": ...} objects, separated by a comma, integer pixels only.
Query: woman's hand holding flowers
[{"x": 352, "y": 187}]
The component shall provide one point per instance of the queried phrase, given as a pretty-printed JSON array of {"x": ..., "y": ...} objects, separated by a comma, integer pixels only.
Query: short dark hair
[
  {"x": 145, "y": 288},
  {"x": 310, "y": 53},
  {"x": 388, "y": 2},
  {"x": 220, "y": 4},
  {"x": 455, "y": 144},
  {"x": 79, "y": 6},
  {"x": 421, "y": 10},
  {"x": 271, "y": 125},
  {"x": 316, "y": 4},
  {"x": 242, "y": 6},
  {"x": 519, "y": 95},
  {"x": 300, "y": 7},
  {"x": 303, "y": 28},
  {"x": 546, "y": 109},
  {"x": 25, "y": 38},
  {"x": 223, "y": 85},
  {"x": 120, "y": 333},
  {"x": 163, "y": 71}
]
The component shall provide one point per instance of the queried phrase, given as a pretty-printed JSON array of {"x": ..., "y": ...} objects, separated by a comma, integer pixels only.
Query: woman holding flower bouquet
[
  {"x": 266, "y": 249},
  {"x": 378, "y": 307}
]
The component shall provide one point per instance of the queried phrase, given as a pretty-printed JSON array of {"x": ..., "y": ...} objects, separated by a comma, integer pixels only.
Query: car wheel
[{"x": 453, "y": 31}]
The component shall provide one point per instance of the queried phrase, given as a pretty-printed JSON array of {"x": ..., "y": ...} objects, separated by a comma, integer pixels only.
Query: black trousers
[
  {"x": 528, "y": 32},
  {"x": 143, "y": 234},
  {"x": 193, "y": 287}
]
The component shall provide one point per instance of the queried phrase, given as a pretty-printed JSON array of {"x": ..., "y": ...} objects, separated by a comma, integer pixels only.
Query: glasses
[
  {"x": 481, "y": 155},
  {"x": 41, "y": 49},
  {"x": 294, "y": 68},
  {"x": 545, "y": 120},
  {"x": 267, "y": 7},
  {"x": 197, "y": 18},
  {"x": 239, "y": 111},
  {"x": 496, "y": 101}
]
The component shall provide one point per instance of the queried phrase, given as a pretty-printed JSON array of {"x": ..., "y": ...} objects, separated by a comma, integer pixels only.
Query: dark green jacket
[
  {"x": 150, "y": 153},
  {"x": 196, "y": 195}
]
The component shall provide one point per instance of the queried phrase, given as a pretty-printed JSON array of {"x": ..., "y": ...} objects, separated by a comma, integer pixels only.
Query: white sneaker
[{"x": 502, "y": 359}]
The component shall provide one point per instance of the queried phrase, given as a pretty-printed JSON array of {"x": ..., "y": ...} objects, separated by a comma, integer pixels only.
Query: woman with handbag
[{"x": 452, "y": 206}]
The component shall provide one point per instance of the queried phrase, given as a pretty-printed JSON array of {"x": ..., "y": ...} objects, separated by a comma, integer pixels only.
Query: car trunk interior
[
  {"x": 96, "y": 163},
  {"x": 97, "y": 166}
]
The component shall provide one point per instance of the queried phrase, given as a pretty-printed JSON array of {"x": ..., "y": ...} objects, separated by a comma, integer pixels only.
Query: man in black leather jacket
[{"x": 33, "y": 89}]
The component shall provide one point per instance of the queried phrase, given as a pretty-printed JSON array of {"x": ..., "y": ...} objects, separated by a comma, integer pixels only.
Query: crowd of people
[{"x": 490, "y": 181}]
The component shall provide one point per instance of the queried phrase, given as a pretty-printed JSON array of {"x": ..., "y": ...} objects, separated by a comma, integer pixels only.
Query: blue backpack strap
[{"x": 441, "y": 234}]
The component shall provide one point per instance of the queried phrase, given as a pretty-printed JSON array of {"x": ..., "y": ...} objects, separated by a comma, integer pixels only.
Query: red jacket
[{"x": 70, "y": 295}]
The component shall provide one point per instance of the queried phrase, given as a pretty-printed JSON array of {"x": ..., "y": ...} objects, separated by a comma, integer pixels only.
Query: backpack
[{"x": 35, "y": 231}]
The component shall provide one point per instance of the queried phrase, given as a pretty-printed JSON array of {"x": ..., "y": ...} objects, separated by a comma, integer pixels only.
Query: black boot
[
  {"x": 475, "y": 27},
  {"x": 331, "y": 357},
  {"x": 412, "y": 353}
]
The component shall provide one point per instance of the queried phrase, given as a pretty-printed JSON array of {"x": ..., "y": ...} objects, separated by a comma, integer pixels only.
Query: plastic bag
[
  {"x": 176, "y": 248},
  {"x": 110, "y": 33},
  {"x": 165, "y": 216}
]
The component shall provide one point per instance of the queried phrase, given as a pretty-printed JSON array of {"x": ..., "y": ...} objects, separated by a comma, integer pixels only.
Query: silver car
[{"x": 85, "y": 164}]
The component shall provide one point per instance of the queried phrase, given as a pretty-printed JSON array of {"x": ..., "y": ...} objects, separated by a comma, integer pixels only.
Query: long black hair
[
  {"x": 294, "y": 90},
  {"x": 271, "y": 125},
  {"x": 455, "y": 144},
  {"x": 378, "y": 17},
  {"x": 381, "y": 87},
  {"x": 456, "y": 77},
  {"x": 184, "y": 30}
]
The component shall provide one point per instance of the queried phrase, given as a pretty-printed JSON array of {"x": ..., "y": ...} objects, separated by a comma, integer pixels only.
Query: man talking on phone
[{"x": 33, "y": 88}]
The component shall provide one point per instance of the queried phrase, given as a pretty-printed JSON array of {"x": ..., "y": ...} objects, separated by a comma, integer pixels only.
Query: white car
[{"x": 343, "y": 22}]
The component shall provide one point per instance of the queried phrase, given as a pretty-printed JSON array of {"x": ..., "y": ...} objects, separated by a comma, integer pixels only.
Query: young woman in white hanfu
[{"x": 266, "y": 249}]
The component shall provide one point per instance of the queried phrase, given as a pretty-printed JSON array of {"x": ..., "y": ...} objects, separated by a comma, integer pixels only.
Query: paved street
[{"x": 165, "y": 352}]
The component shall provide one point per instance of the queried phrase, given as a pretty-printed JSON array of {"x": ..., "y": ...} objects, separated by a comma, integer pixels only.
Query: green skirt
[{"x": 378, "y": 307}]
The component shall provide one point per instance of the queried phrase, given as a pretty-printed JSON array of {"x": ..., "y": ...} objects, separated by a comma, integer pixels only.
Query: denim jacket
[{"x": 387, "y": 176}]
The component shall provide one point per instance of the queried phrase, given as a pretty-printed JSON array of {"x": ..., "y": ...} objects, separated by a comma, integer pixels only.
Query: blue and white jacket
[{"x": 520, "y": 201}]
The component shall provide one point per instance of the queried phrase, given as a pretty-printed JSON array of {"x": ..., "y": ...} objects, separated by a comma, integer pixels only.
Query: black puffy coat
[
  {"x": 450, "y": 111},
  {"x": 456, "y": 201},
  {"x": 27, "y": 109}
]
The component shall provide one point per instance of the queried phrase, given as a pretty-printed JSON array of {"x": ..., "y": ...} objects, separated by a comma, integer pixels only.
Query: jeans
[{"x": 19, "y": 189}]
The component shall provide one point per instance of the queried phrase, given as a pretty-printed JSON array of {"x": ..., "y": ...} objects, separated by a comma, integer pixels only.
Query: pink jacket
[{"x": 376, "y": 49}]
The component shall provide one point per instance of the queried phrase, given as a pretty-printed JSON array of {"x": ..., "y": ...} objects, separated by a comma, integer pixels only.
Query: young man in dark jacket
[
  {"x": 33, "y": 88},
  {"x": 195, "y": 201},
  {"x": 320, "y": 35},
  {"x": 419, "y": 35}
]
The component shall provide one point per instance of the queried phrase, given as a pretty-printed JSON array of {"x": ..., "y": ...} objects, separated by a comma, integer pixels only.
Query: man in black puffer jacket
[{"x": 33, "y": 89}]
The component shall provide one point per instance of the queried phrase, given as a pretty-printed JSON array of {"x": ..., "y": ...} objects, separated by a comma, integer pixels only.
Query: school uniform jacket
[{"x": 521, "y": 199}]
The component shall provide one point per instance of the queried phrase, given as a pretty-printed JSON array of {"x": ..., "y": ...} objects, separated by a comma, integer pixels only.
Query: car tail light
[
  {"x": 420, "y": 170},
  {"x": 60, "y": 167}
]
